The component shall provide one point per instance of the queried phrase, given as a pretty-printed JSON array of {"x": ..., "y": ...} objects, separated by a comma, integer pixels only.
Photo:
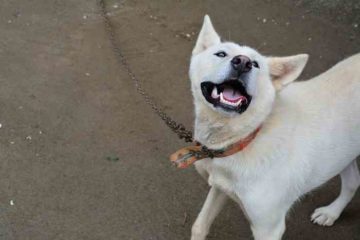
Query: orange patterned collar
[{"x": 188, "y": 155}]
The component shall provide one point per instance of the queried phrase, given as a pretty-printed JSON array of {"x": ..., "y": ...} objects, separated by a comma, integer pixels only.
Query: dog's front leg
[
  {"x": 272, "y": 230},
  {"x": 212, "y": 206},
  {"x": 267, "y": 220}
]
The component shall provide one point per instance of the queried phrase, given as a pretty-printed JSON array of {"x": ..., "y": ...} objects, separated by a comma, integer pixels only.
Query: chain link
[{"x": 177, "y": 128}]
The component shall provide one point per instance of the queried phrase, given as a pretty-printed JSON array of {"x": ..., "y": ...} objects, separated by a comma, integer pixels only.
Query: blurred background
[{"x": 83, "y": 157}]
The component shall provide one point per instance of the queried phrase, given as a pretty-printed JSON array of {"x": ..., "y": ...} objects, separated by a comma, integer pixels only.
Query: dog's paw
[{"x": 324, "y": 216}]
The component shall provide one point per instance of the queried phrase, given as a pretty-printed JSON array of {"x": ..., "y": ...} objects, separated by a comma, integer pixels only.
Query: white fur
[{"x": 310, "y": 133}]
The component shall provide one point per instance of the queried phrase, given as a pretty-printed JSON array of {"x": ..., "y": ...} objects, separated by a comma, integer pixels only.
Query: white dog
[{"x": 309, "y": 132}]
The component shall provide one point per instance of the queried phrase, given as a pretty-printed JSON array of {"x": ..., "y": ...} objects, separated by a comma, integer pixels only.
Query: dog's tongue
[{"x": 231, "y": 95}]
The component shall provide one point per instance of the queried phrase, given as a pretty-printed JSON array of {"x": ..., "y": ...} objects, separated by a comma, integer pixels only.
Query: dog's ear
[
  {"x": 284, "y": 70},
  {"x": 207, "y": 37}
]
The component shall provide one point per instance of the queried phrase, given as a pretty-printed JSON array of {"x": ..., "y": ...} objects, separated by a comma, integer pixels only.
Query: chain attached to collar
[{"x": 177, "y": 128}]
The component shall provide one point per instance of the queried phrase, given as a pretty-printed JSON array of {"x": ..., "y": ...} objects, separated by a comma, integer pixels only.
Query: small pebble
[
  {"x": 309, "y": 39},
  {"x": 87, "y": 74},
  {"x": 85, "y": 17},
  {"x": 356, "y": 25},
  {"x": 0, "y": 125},
  {"x": 287, "y": 23},
  {"x": 40, "y": 132},
  {"x": 264, "y": 20},
  {"x": 17, "y": 14},
  {"x": 12, "y": 142},
  {"x": 12, "y": 202},
  {"x": 115, "y": 6},
  {"x": 188, "y": 35},
  {"x": 9, "y": 21},
  {"x": 28, "y": 138}
]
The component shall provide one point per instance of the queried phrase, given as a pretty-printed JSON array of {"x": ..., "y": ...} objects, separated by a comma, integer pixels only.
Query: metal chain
[{"x": 177, "y": 128}]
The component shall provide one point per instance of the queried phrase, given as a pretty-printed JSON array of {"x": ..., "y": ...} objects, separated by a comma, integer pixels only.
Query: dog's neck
[{"x": 217, "y": 131}]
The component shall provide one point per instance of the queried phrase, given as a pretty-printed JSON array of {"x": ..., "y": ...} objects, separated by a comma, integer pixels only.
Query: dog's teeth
[
  {"x": 214, "y": 93},
  {"x": 234, "y": 104}
]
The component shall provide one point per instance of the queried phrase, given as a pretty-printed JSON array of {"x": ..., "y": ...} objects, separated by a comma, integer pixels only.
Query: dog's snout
[{"x": 241, "y": 64}]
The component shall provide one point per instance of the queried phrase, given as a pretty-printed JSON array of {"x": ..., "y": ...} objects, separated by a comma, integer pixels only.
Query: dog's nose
[{"x": 241, "y": 64}]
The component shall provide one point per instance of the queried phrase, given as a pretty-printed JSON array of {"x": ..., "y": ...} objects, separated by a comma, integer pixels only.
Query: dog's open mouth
[{"x": 230, "y": 95}]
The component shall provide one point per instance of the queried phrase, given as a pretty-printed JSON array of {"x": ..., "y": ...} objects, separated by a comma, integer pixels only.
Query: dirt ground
[{"x": 82, "y": 156}]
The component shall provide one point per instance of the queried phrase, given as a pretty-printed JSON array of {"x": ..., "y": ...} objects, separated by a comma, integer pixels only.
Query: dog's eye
[
  {"x": 221, "y": 54},
  {"x": 255, "y": 64}
]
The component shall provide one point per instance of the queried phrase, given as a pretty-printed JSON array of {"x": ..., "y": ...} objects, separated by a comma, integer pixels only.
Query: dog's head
[{"x": 232, "y": 79}]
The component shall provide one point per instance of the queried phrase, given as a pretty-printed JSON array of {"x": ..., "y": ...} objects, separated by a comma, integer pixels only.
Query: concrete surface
[{"x": 82, "y": 157}]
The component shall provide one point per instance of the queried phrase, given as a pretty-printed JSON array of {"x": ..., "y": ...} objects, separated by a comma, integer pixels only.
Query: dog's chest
[{"x": 223, "y": 178}]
